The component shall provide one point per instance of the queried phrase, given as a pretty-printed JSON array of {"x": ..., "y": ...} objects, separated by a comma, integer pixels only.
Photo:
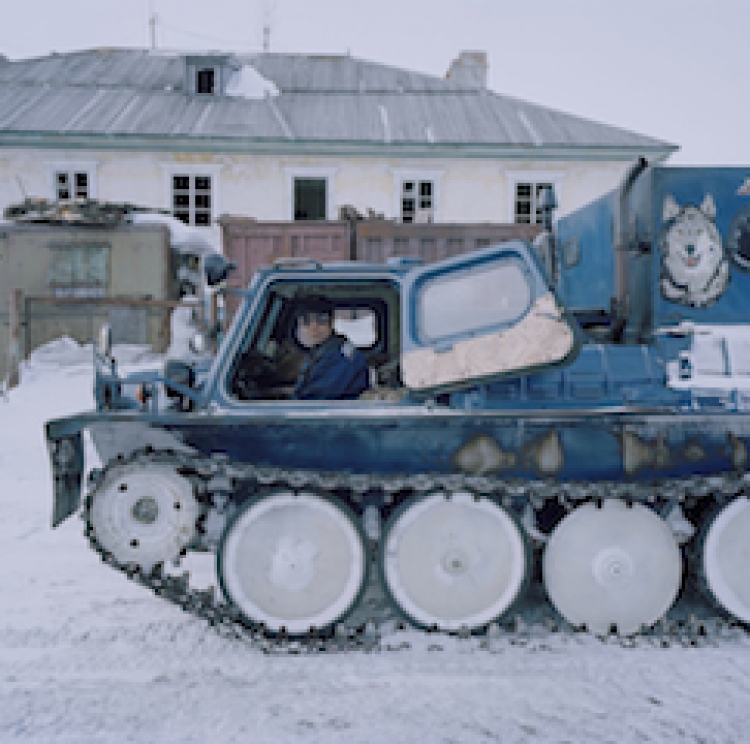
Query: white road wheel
[
  {"x": 612, "y": 566},
  {"x": 293, "y": 561},
  {"x": 726, "y": 558},
  {"x": 144, "y": 513},
  {"x": 451, "y": 561}
]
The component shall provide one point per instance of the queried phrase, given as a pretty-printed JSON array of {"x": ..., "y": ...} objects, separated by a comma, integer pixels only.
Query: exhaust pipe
[{"x": 620, "y": 300}]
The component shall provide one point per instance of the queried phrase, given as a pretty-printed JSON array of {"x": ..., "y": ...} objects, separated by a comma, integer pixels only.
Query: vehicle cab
[{"x": 424, "y": 330}]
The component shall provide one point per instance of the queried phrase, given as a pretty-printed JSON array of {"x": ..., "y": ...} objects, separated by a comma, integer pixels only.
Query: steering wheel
[{"x": 254, "y": 372}]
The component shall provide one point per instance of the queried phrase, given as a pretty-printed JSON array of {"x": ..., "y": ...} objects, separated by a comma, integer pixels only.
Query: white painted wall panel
[{"x": 259, "y": 186}]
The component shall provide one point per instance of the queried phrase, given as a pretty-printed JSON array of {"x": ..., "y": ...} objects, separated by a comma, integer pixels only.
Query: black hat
[{"x": 315, "y": 304}]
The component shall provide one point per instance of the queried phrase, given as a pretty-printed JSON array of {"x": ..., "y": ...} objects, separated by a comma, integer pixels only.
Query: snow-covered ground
[{"x": 86, "y": 656}]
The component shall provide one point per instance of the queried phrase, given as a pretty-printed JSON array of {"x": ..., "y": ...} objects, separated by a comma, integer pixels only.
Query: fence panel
[{"x": 10, "y": 341}]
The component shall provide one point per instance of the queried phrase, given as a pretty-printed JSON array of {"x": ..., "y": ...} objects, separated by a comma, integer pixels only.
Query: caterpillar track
[{"x": 369, "y": 623}]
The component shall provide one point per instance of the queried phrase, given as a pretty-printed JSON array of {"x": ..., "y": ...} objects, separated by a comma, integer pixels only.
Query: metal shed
[{"x": 74, "y": 278}]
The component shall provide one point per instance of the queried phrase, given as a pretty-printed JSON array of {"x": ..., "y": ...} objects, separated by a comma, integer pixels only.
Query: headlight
[
  {"x": 104, "y": 344},
  {"x": 198, "y": 343}
]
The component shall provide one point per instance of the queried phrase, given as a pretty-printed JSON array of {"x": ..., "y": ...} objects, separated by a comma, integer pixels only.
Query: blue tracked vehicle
[{"x": 558, "y": 429}]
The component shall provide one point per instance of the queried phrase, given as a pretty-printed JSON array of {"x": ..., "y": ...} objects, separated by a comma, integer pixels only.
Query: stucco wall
[{"x": 259, "y": 186}]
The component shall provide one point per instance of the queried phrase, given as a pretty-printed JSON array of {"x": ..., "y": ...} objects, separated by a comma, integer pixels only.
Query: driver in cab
[{"x": 333, "y": 369}]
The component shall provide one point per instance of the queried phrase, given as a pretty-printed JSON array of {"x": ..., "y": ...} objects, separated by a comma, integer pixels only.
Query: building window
[
  {"x": 79, "y": 269},
  {"x": 527, "y": 202},
  {"x": 417, "y": 201},
  {"x": 205, "y": 81},
  {"x": 310, "y": 198},
  {"x": 191, "y": 199},
  {"x": 71, "y": 185}
]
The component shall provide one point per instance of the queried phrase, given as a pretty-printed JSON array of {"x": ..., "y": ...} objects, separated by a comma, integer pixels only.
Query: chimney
[{"x": 469, "y": 70}]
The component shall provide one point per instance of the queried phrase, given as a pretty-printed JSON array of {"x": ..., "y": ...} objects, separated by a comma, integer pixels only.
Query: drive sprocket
[{"x": 142, "y": 513}]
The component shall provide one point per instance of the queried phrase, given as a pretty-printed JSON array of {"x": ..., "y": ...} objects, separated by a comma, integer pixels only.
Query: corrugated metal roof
[
  {"x": 123, "y": 92},
  {"x": 344, "y": 74}
]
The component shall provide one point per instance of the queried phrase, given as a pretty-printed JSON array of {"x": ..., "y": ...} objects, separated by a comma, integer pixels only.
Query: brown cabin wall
[
  {"x": 377, "y": 241},
  {"x": 251, "y": 244}
]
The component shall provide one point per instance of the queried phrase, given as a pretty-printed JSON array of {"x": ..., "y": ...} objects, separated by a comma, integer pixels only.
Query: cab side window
[
  {"x": 473, "y": 300},
  {"x": 270, "y": 358}
]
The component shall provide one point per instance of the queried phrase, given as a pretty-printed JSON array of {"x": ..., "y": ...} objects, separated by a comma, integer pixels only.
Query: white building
[{"x": 282, "y": 137}]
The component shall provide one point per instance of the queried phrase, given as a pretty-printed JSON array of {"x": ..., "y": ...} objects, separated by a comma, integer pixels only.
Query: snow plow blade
[{"x": 66, "y": 457}]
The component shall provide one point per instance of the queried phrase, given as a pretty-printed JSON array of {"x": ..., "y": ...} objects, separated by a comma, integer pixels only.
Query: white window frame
[
  {"x": 293, "y": 172},
  {"x": 533, "y": 177},
  {"x": 72, "y": 167},
  {"x": 433, "y": 175},
  {"x": 417, "y": 198},
  {"x": 192, "y": 170}
]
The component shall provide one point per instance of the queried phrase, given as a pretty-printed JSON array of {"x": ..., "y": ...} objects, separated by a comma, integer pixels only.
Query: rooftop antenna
[
  {"x": 20, "y": 186},
  {"x": 268, "y": 9},
  {"x": 152, "y": 19}
]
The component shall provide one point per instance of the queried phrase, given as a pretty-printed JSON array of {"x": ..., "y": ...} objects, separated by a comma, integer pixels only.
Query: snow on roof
[
  {"x": 180, "y": 234},
  {"x": 247, "y": 82}
]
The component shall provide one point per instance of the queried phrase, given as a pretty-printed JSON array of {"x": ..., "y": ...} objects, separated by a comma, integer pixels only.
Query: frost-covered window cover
[
  {"x": 477, "y": 299},
  {"x": 191, "y": 198},
  {"x": 79, "y": 269},
  {"x": 71, "y": 185},
  {"x": 527, "y": 202}
]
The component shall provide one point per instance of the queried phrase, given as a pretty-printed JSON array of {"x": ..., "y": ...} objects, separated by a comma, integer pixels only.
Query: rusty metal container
[
  {"x": 378, "y": 240},
  {"x": 251, "y": 244},
  {"x": 67, "y": 262}
]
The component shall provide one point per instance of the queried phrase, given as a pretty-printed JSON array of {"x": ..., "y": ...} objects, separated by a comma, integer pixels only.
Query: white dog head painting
[{"x": 695, "y": 270}]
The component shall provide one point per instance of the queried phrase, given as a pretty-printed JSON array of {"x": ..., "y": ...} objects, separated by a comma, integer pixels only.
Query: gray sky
[{"x": 672, "y": 69}]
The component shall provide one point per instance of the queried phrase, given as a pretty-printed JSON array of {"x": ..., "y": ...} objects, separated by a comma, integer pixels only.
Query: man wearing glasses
[{"x": 334, "y": 368}]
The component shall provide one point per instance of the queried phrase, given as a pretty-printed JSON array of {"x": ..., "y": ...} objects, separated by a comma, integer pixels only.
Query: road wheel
[
  {"x": 612, "y": 567},
  {"x": 453, "y": 561},
  {"x": 294, "y": 561}
]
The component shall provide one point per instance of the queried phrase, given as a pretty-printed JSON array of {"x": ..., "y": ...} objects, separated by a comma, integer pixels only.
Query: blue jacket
[{"x": 335, "y": 370}]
